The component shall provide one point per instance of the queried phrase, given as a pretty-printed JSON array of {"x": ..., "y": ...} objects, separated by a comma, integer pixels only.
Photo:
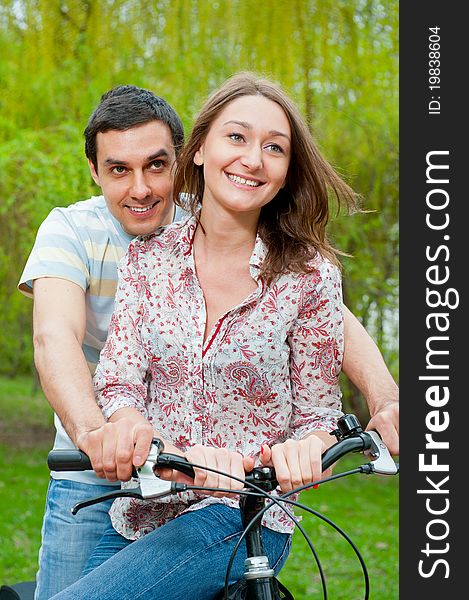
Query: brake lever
[
  {"x": 149, "y": 485},
  {"x": 127, "y": 493},
  {"x": 381, "y": 459}
]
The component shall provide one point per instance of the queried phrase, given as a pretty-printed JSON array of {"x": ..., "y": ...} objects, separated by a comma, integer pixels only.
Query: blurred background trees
[{"x": 337, "y": 58}]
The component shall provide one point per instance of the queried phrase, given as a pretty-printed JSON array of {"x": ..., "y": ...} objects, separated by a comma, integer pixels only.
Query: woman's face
[{"x": 245, "y": 155}]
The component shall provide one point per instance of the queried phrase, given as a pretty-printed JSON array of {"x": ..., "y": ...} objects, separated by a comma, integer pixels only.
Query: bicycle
[{"x": 258, "y": 582}]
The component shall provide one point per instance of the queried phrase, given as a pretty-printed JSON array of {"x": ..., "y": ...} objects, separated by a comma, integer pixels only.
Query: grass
[
  {"x": 24, "y": 477},
  {"x": 26, "y": 434},
  {"x": 23, "y": 404},
  {"x": 366, "y": 507}
]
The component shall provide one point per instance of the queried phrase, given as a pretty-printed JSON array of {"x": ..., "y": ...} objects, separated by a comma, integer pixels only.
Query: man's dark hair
[{"x": 127, "y": 106}]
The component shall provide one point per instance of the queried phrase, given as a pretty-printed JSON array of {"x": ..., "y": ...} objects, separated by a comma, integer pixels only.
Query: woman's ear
[{"x": 199, "y": 157}]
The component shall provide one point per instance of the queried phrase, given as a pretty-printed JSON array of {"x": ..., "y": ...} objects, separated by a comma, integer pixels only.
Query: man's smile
[{"x": 141, "y": 210}]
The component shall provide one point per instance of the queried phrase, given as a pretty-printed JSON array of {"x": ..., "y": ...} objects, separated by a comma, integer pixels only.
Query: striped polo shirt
[{"x": 81, "y": 243}]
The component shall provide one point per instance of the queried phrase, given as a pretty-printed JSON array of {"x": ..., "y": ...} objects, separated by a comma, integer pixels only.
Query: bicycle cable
[{"x": 285, "y": 498}]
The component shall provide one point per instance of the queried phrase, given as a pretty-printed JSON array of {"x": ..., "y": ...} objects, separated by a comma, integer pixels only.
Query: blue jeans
[
  {"x": 67, "y": 540},
  {"x": 185, "y": 559}
]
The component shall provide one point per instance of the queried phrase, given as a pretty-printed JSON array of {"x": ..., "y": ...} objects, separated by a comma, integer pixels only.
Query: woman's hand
[
  {"x": 223, "y": 460},
  {"x": 297, "y": 463}
]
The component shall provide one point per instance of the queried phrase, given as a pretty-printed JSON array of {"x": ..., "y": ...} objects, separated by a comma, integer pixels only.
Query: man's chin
[
  {"x": 144, "y": 228},
  {"x": 140, "y": 229}
]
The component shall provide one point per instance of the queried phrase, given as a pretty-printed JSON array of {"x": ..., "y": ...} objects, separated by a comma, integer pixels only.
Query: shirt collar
[{"x": 258, "y": 254}]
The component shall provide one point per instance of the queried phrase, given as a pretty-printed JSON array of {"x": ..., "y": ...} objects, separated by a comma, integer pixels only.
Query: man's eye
[
  {"x": 157, "y": 165},
  {"x": 118, "y": 170}
]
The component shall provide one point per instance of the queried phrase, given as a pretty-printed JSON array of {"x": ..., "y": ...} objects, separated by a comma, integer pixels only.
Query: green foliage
[
  {"x": 337, "y": 58},
  {"x": 40, "y": 170}
]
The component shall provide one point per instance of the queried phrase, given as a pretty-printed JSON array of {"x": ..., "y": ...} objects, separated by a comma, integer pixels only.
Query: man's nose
[{"x": 140, "y": 188}]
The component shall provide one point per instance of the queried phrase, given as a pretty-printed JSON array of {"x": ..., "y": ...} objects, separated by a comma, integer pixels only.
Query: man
[{"x": 131, "y": 142}]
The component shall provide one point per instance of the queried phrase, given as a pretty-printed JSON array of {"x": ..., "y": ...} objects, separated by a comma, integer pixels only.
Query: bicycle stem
[{"x": 258, "y": 573}]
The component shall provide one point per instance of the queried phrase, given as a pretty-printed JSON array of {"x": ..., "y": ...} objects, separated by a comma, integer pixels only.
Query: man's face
[{"x": 135, "y": 175}]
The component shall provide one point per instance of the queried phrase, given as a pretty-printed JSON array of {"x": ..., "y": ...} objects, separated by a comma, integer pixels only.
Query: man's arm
[
  {"x": 59, "y": 321},
  {"x": 364, "y": 365}
]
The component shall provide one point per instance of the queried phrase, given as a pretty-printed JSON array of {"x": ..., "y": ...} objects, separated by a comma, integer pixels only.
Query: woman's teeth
[{"x": 243, "y": 181}]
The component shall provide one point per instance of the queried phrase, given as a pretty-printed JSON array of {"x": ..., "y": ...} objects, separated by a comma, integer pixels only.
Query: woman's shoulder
[{"x": 318, "y": 269}]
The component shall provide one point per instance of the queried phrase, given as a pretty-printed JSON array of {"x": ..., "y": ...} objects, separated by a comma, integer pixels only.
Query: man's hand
[
  {"x": 118, "y": 446},
  {"x": 386, "y": 422}
]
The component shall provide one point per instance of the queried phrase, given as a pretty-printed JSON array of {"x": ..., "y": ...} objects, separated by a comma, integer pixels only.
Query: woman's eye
[
  {"x": 236, "y": 137},
  {"x": 274, "y": 148}
]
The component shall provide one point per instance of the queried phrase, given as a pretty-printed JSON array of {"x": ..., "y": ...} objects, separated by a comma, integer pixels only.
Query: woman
[{"x": 227, "y": 336}]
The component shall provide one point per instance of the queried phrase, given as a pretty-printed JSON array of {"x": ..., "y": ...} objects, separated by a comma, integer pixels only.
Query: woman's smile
[{"x": 241, "y": 181}]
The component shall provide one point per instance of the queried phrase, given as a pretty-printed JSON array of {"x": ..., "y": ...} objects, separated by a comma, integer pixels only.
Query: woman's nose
[{"x": 252, "y": 157}]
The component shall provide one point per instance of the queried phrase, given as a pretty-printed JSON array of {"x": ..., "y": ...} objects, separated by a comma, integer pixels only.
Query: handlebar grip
[
  {"x": 68, "y": 460},
  {"x": 352, "y": 444},
  {"x": 173, "y": 461}
]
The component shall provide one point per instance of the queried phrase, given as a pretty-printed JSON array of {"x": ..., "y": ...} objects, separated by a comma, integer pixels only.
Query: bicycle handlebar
[
  {"x": 77, "y": 460},
  {"x": 351, "y": 438}
]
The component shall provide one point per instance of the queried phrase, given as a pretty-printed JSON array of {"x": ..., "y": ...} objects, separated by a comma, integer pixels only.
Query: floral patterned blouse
[{"x": 268, "y": 370}]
